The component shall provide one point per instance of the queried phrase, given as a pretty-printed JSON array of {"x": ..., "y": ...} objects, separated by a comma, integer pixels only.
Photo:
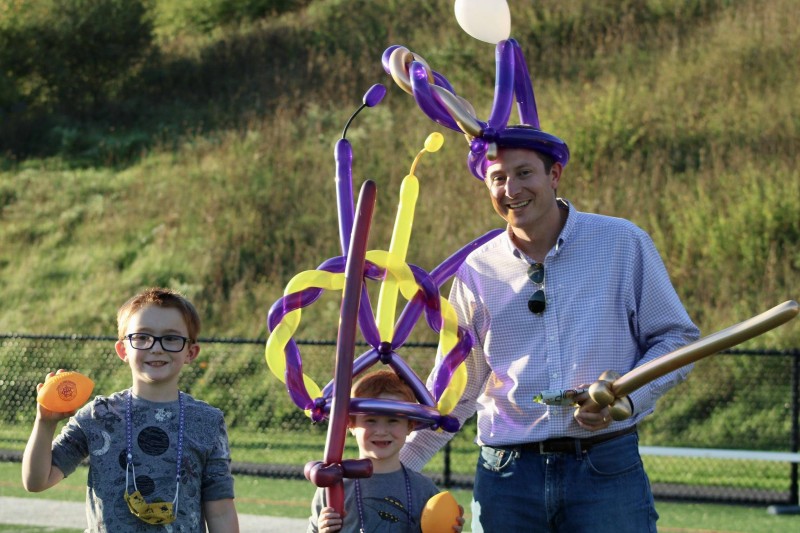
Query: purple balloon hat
[{"x": 436, "y": 97}]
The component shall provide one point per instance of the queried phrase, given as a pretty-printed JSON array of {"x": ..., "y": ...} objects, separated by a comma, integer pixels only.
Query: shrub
[{"x": 72, "y": 55}]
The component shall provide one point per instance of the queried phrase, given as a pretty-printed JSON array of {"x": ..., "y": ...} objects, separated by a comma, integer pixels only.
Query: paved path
[{"x": 54, "y": 513}]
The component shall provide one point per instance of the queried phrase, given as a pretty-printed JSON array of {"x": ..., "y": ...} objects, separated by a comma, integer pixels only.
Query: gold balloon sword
[{"x": 611, "y": 387}]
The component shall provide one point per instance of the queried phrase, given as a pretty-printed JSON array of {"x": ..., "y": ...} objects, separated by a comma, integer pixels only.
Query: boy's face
[
  {"x": 380, "y": 438},
  {"x": 155, "y": 365}
]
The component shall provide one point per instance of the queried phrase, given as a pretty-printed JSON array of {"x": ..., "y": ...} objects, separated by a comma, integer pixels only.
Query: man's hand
[{"x": 590, "y": 415}]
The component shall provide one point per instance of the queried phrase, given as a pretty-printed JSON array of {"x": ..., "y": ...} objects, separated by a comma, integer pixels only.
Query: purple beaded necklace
[
  {"x": 360, "y": 504},
  {"x": 129, "y": 457}
]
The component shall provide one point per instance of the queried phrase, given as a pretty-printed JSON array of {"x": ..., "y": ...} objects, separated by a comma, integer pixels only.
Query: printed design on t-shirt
[
  {"x": 107, "y": 417},
  {"x": 388, "y": 508},
  {"x": 102, "y": 450},
  {"x": 163, "y": 415}
]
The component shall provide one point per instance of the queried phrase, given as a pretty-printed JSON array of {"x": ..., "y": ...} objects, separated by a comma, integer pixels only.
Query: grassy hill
[{"x": 212, "y": 171}]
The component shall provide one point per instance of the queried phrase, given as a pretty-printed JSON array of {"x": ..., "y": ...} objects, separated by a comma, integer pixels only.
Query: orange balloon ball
[
  {"x": 65, "y": 392},
  {"x": 440, "y": 514}
]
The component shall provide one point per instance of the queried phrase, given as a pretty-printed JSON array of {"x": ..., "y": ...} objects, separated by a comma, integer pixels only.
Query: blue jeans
[{"x": 602, "y": 490}]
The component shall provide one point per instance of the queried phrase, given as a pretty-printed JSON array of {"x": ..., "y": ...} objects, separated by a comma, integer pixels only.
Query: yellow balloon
[
  {"x": 274, "y": 352},
  {"x": 454, "y": 391},
  {"x": 448, "y": 338},
  {"x": 398, "y": 248},
  {"x": 434, "y": 141},
  {"x": 277, "y": 341},
  {"x": 315, "y": 278}
]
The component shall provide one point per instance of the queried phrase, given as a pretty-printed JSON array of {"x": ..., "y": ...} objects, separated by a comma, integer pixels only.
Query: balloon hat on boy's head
[{"x": 437, "y": 98}]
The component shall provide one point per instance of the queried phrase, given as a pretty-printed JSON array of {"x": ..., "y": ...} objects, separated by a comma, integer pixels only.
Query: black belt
[{"x": 570, "y": 445}]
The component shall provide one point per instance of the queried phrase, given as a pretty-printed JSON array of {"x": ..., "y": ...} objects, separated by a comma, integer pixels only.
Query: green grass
[{"x": 291, "y": 498}]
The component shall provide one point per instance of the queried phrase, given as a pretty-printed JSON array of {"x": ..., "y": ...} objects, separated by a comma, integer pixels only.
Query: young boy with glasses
[
  {"x": 156, "y": 455},
  {"x": 393, "y": 498},
  {"x": 553, "y": 302}
]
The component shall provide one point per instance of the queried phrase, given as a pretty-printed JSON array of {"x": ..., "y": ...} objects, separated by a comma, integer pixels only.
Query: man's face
[{"x": 522, "y": 191}]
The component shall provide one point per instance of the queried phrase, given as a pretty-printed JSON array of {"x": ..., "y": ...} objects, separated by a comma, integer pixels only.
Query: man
[{"x": 552, "y": 303}]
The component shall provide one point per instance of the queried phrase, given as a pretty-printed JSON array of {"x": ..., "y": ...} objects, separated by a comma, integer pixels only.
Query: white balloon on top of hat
[{"x": 485, "y": 20}]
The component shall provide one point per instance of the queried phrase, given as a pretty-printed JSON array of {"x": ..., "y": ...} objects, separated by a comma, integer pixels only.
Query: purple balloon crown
[{"x": 436, "y": 97}]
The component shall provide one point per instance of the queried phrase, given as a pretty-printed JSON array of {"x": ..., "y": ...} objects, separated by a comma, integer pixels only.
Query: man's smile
[{"x": 518, "y": 205}]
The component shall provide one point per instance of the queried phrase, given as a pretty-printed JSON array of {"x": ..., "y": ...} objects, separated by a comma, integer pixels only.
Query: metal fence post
[
  {"x": 793, "y": 490},
  {"x": 446, "y": 474}
]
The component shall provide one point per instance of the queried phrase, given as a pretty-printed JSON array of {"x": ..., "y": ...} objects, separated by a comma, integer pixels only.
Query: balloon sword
[
  {"x": 330, "y": 472},
  {"x": 611, "y": 387}
]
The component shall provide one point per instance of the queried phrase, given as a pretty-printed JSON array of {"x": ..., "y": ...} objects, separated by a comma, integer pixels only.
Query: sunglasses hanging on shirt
[{"x": 537, "y": 302}]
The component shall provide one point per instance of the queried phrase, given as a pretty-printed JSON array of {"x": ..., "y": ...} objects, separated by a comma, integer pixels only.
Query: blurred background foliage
[{"x": 189, "y": 143}]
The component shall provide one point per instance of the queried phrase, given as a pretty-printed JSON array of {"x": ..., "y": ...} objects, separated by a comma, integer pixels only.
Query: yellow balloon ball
[
  {"x": 440, "y": 514},
  {"x": 434, "y": 141}
]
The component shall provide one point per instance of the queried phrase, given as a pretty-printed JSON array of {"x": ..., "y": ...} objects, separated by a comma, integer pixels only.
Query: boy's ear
[
  {"x": 191, "y": 355},
  {"x": 119, "y": 347}
]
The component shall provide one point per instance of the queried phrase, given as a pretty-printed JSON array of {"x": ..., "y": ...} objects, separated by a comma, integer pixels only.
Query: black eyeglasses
[
  {"x": 145, "y": 341},
  {"x": 537, "y": 301}
]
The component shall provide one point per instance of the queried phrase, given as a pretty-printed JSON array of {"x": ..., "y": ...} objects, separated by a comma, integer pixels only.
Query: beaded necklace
[
  {"x": 129, "y": 457},
  {"x": 360, "y": 504}
]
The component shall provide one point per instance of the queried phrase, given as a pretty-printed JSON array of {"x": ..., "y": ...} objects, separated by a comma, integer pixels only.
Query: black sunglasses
[{"x": 537, "y": 301}]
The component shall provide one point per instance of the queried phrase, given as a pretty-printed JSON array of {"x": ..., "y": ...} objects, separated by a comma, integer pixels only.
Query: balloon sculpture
[
  {"x": 380, "y": 331},
  {"x": 490, "y": 21}
]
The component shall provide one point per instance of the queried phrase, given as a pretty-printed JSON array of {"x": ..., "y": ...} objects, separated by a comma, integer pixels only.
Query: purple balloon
[
  {"x": 380, "y": 406},
  {"x": 402, "y": 369},
  {"x": 523, "y": 89},
  {"x": 362, "y": 362},
  {"x": 449, "y": 266},
  {"x": 294, "y": 377},
  {"x": 427, "y": 295},
  {"x": 503, "y": 85},
  {"x": 441, "y": 81},
  {"x": 424, "y": 415},
  {"x": 343, "y": 154},
  {"x": 374, "y": 95},
  {"x": 385, "y": 58},
  {"x": 439, "y": 275},
  {"x": 444, "y": 373},
  {"x": 345, "y": 344},
  {"x": 426, "y": 98}
]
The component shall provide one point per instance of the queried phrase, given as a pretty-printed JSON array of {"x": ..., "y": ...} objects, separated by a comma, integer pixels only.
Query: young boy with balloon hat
[
  {"x": 159, "y": 460},
  {"x": 553, "y": 303},
  {"x": 393, "y": 498}
]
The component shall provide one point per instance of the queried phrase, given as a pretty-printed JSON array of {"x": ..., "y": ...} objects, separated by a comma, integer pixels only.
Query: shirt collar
[{"x": 563, "y": 237}]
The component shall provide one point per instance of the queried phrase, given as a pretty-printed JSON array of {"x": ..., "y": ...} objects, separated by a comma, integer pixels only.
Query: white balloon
[{"x": 486, "y": 20}]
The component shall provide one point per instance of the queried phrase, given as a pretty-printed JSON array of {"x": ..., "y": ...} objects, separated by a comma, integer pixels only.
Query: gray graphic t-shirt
[
  {"x": 384, "y": 502},
  {"x": 97, "y": 431}
]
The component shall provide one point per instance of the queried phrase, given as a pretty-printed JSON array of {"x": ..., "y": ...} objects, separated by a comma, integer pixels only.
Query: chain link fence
[{"x": 737, "y": 400}]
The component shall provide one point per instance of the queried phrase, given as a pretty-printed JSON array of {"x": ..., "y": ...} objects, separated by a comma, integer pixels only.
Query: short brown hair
[
  {"x": 380, "y": 382},
  {"x": 160, "y": 297}
]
